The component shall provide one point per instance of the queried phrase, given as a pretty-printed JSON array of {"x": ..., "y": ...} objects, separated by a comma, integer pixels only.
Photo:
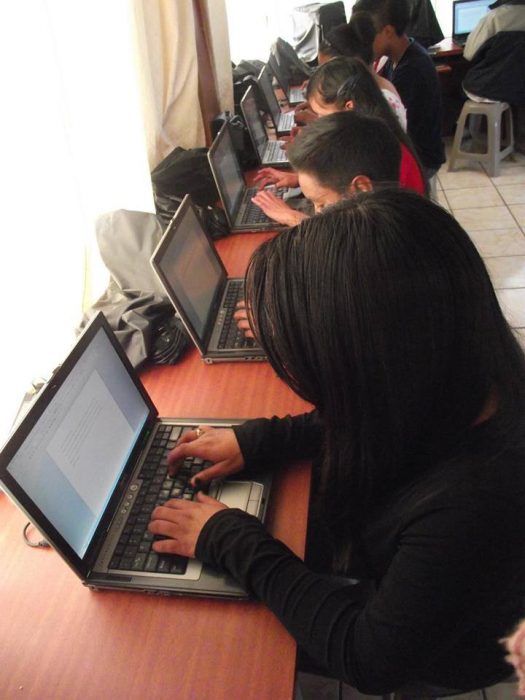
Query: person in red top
[{"x": 343, "y": 85}]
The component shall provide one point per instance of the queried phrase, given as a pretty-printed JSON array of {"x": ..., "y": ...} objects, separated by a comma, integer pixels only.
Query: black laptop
[
  {"x": 270, "y": 152},
  {"x": 465, "y": 16},
  {"x": 236, "y": 197},
  {"x": 197, "y": 284},
  {"x": 283, "y": 122},
  {"x": 88, "y": 465}
]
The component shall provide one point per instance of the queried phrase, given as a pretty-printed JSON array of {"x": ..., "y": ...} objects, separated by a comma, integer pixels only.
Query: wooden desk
[{"x": 60, "y": 641}]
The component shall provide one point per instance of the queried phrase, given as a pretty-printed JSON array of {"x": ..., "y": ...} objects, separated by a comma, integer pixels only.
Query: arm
[
  {"x": 478, "y": 36},
  {"x": 433, "y": 592}
]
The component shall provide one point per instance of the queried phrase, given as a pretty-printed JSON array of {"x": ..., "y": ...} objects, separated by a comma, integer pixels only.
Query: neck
[{"x": 398, "y": 48}]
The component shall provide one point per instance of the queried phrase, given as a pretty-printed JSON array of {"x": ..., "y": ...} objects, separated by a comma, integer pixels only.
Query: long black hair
[
  {"x": 343, "y": 79},
  {"x": 394, "y": 333}
]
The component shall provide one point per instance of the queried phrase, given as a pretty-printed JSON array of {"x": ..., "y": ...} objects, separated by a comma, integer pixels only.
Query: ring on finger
[{"x": 198, "y": 432}]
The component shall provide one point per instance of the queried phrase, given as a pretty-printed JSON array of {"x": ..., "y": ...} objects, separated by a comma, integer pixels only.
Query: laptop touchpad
[{"x": 235, "y": 494}]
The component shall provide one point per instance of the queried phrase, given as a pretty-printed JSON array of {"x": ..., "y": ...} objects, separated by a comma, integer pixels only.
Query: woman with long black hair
[{"x": 380, "y": 312}]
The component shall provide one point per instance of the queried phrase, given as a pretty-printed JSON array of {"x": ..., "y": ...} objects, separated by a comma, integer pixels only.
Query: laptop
[
  {"x": 283, "y": 121},
  {"x": 196, "y": 282},
  {"x": 87, "y": 465},
  {"x": 242, "y": 214},
  {"x": 294, "y": 95},
  {"x": 269, "y": 152},
  {"x": 465, "y": 16}
]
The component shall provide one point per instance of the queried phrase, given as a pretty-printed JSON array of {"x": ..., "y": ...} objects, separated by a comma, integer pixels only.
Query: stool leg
[
  {"x": 458, "y": 136},
  {"x": 494, "y": 145}
]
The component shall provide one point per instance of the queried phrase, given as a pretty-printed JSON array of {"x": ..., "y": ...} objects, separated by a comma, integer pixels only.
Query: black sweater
[
  {"x": 416, "y": 80},
  {"x": 447, "y": 555}
]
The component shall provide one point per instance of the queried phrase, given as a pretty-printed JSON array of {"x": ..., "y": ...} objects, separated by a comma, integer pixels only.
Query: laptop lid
[
  {"x": 68, "y": 463},
  {"x": 465, "y": 16},
  {"x": 227, "y": 173},
  {"x": 254, "y": 122},
  {"x": 265, "y": 84},
  {"x": 191, "y": 272},
  {"x": 278, "y": 73}
]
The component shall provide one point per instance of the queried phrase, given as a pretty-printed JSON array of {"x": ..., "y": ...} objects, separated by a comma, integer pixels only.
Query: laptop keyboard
[
  {"x": 286, "y": 121},
  {"x": 274, "y": 153},
  {"x": 231, "y": 336},
  {"x": 133, "y": 551}
]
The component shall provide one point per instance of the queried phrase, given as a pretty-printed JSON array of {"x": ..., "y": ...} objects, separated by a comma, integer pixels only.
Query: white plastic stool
[{"x": 494, "y": 112}]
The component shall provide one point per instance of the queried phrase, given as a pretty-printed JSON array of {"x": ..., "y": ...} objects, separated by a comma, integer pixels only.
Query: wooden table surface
[{"x": 60, "y": 640}]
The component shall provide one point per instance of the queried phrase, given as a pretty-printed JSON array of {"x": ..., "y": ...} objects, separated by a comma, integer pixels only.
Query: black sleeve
[
  {"x": 266, "y": 442},
  {"x": 448, "y": 564}
]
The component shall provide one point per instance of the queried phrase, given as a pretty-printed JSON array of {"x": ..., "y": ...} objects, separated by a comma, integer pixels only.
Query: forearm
[{"x": 265, "y": 442}]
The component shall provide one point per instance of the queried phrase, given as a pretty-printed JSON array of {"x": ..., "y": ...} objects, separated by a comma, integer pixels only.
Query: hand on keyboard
[
  {"x": 216, "y": 445},
  {"x": 276, "y": 209},
  {"x": 279, "y": 178},
  {"x": 181, "y": 523},
  {"x": 241, "y": 318}
]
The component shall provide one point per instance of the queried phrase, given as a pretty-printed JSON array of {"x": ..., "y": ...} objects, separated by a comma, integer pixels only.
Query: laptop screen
[
  {"x": 265, "y": 83},
  {"x": 253, "y": 121},
  {"x": 74, "y": 455},
  {"x": 227, "y": 172},
  {"x": 190, "y": 269},
  {"x": 467, "y": 14}
]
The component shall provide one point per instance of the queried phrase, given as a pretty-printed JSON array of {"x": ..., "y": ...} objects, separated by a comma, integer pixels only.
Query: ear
[
  {"x": 349, "y": 105},
  {"x": 361, "y": 183}
]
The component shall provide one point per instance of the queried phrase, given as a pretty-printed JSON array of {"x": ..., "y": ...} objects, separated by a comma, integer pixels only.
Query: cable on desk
[{"x": 31, "y": 543}]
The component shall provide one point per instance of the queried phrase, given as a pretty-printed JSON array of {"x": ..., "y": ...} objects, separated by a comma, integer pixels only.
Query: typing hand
[
  {"x": 181, "y": 522},
  {"x": 216, "y": 445},
  {"x": 304, "y": 114},
  {"x": 276, "y": 209},
  {"x": 241, "y": 318},
  {"x": 279, "y": 178}
]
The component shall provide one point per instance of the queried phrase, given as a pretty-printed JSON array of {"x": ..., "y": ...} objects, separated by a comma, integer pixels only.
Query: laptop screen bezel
[
  {"x": 224, "y": 133},
  {"x": 82, "y": 565},
  {"x": 156, "y": 261},
  {"x": 269, "y": 95}
]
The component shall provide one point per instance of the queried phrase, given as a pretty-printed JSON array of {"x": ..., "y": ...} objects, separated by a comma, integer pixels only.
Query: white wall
[{"x": 254, "y": 25}]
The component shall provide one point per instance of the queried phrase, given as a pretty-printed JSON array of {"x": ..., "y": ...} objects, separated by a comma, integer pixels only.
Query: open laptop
[
  {"x": 195, "y": 280},
  {"x": 465, "y": 16},
  {"x": 294, "y": 94},
  {"x": 269, "y": 152},
  {"x": 87, "y": 465},
  {"x": 282, "y": 121},
  {"x": 242, "y": 214}
]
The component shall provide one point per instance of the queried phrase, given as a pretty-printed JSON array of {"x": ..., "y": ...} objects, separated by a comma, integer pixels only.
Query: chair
[{"x": 498, "y": 147}]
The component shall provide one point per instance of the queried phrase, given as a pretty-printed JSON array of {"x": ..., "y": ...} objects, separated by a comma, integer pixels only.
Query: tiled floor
[{"x": 492, "y": 211}]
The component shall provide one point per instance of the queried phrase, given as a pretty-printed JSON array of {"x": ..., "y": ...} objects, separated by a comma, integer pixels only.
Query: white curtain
[
  {"x": 95, "y": 93},
  {"x": 169, "y": 71}
]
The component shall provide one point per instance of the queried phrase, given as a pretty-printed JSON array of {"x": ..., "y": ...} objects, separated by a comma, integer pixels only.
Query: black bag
[
  {"x": 213, "y": 219},
  {"x": 186, "y": 172}
]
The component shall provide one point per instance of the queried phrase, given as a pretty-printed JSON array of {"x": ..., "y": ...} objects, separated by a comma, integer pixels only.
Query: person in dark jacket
[
  {"x": 411, "y": 70},
  {"x": 496, "y": 49},
  {"x": 381, "y": 314}
]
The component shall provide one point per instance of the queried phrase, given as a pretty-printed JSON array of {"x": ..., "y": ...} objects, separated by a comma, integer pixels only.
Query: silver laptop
[
  {"x": 87, "y": 465},
  {"x": 269, "y": 152},
  {"x": 195, "y": 280},
  {"x": 465, "y": 16},
  {"x": 283, "y": 121},
  {"x": 242, "y": 214},
  {"x": 294, "y": 94}
]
